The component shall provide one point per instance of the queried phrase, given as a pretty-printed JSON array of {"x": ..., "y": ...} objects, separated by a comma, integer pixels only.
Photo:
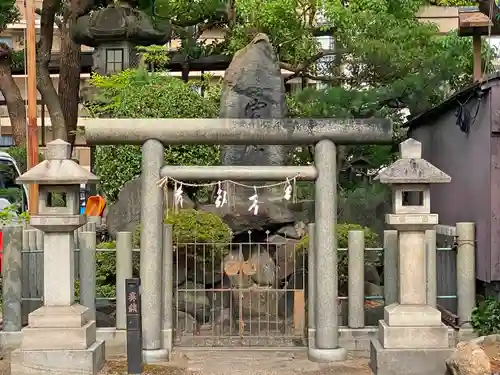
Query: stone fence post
[
  {"x": 87, "y": 276},
  {"x": 466, "y": 267},
  {"x": 356, "y": 272},
  {"x": 12, "y": 280}
]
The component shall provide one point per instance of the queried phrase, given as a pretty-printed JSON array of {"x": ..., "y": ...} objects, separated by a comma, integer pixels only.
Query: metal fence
[{"x": 245, "y": 294}]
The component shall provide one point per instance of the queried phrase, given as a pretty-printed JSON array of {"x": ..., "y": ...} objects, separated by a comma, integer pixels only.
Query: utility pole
[{"x": 32, "y": 138}]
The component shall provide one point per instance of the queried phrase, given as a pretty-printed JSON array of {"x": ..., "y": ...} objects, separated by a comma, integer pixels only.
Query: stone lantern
[
  {"x": 61, "y": 335},
  {"x": 412, "y": 339},
  {"x": 114, "y": 32}
]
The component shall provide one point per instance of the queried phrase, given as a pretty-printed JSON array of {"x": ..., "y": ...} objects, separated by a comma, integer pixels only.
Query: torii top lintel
[{"x": 290, "y": 131}]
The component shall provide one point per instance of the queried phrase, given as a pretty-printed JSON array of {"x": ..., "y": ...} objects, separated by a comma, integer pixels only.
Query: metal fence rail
[{"x": 251, "y": 294}]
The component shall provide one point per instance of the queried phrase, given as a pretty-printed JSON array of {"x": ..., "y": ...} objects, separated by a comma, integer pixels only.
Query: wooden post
[
  {"x": 476, "y": 50},
  {"x": 32, "y": 138}
]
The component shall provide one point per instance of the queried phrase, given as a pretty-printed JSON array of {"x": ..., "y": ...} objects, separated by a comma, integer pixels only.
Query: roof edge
[{"x": 441, "y": 108}]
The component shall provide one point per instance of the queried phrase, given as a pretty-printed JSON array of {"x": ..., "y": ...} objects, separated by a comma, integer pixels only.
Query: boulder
[
  {"x": 468, "y": 359},
  {"x": 286, "y": 256},
  {"x": 265, "y": 269},
  {"x": 222, "y": 321},
  {"x": 185, "y": 323},
  {"x": 297, "y": 281},
  {"x": 192, "y": 299},
  {"x": 272, "y": 215},
  {"x": 296, "y": 231},
  {"x": 125, "y": 213},
  {"x": 372, "y": 290},
  {"x": 219, "y": 294},
  {"x": 257, "y": 302}
]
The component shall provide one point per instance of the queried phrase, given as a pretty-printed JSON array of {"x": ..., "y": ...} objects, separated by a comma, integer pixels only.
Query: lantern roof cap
[
  {"x": 58, "y": 168},
  {"x": 411, "y": 168}
]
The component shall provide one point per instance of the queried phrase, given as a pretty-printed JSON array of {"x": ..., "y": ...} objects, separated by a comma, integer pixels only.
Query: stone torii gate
[{"x": 154, "y": 134}]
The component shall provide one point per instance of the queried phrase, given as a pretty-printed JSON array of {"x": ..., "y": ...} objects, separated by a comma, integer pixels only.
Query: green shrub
[
  {"x": 485, "y": 319},
  {"x": 190, "y": 225},
  {"x": 371, "y": 259},
  {"x": 371, "y": 238},
  {"x": 106, "y": 270},
  {"x": 197, "y": 232}
]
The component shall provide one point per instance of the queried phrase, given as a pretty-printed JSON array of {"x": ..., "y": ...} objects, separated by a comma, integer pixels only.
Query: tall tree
[
  {"x": 384, "y": 62},
  {"x": 62, "y": 104},
  {"x": 10, "y": 91}
]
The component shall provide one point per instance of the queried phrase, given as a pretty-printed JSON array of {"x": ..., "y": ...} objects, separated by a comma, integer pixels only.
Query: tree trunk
[
  {"x": 44, "y": 82},
  {"x": 69, "y": 80},
  {"x": 13, "y": 98}
]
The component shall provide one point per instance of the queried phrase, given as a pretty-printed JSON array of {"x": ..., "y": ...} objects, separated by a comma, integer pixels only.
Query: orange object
[{"x": 95, "y": 206}]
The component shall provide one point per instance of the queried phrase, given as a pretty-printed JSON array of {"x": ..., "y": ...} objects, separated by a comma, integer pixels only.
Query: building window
[
  {"x": 6, "y": 140},
  {"x": 6, "y": 40},
  {"x": 114, "y": 60}
]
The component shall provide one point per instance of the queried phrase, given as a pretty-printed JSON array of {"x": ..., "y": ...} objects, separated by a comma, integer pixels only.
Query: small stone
[{"x": 468, "y": 359}]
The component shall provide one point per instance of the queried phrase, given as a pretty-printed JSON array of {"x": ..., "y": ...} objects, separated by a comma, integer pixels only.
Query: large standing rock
[
  {"x": 254, "y": 88},
  {"x": 468, "y": 359},
  {"x": 125, "y": 213}
]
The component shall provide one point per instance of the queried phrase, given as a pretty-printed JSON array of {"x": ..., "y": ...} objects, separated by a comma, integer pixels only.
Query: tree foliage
[
  {"x": 453, "y": 3},
  {"x": 137, "y": 94},
  {"x": 8, "y": 13}
]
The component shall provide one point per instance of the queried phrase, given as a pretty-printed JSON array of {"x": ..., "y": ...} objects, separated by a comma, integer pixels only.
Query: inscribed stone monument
[{"x": 254, "y": 88}]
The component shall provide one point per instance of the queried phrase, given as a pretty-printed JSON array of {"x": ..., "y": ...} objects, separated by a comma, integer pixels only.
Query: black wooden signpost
[{"x": 134, "y": 326}]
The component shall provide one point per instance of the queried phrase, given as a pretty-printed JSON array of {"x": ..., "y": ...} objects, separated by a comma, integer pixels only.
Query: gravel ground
[
  {"x": 229, "y": 362},
  {"x": 241, "y": 362}
]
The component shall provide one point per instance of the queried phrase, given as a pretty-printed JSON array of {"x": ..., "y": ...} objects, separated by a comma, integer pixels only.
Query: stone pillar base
[
  {"x": 326, "y": 355},
  {"x": 413, "y": 337},
  {"x": 167, "y": 339},
  {"x": 155, "y": 356},
  {"x": 59, "y": 340},
  {"x": 407, "y": 361},
  {"x": 59, "y": 362},
  {"x": 311, "y": 337}
]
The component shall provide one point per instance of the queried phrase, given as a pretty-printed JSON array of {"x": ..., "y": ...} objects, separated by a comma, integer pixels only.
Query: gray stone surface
[
  {"x": 327, "y": 355},
  {"x": 125, "y": 214},
  {"x": 59, "y": 362},
  {"x": 253, "y": 88},
  {"x": 411, "y": 168},
  {"x": 12, "y": 281},
  {"x": 407, "y": 361}
]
